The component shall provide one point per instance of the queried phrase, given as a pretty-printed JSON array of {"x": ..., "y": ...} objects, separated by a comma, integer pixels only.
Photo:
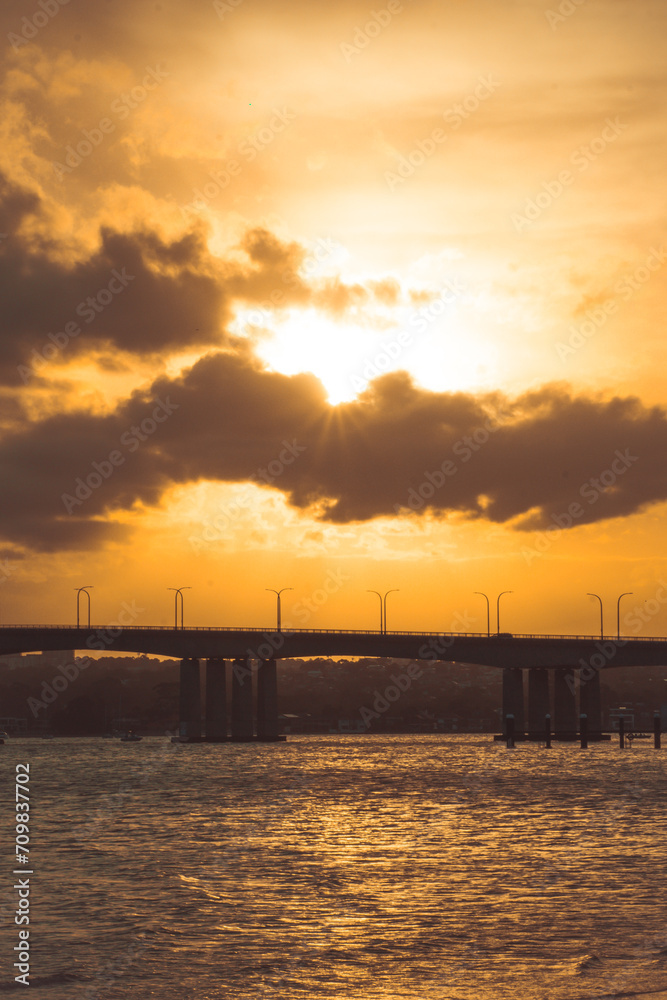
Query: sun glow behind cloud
[{"x": 441, "y": 351}]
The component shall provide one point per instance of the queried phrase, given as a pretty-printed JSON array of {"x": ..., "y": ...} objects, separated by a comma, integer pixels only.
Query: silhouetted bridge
[{"x": 574, "y": 661}]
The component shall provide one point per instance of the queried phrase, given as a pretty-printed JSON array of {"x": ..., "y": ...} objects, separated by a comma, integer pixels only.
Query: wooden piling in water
[
  {"x": 509, "y": 731},
  {"x": 656, "y": 730},
  {"x": 583, "y": 730}
]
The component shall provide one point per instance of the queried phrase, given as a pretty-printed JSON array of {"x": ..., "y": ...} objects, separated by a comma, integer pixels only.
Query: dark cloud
[{"x": 396, "y": 448}]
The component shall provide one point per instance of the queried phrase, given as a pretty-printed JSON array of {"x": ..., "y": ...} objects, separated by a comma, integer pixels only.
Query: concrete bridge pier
[
  {"x": 267, "y": 702},
  {"x": 565, "y": 703},
  {"x": 216, "y": 700},
  {"x": 242, "y": 715},
  {"x": 190, "y": 701},
  {"x": 590, "y": 702},
  {"x": 513, "y": 698},
  {"x": 539, "y": 702}
]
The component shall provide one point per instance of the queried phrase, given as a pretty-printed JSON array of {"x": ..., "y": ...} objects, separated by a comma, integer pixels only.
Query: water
[{"x": 382, "y": 868}]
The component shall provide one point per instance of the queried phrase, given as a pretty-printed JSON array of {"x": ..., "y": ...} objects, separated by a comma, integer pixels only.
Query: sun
[{"x": 444, "y": 355}]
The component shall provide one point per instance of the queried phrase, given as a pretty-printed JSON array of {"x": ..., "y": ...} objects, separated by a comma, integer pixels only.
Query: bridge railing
[{"x": 337, "y": 631}]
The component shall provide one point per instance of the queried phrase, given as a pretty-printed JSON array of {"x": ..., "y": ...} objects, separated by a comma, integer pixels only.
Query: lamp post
[
  {"x": 278, "y": 593},
  {"x": 618, "y": 612},
  {"x": 384, "y": 602},
  {"x": 178, "y": 591},
  {"x": 498, "y": 608},
  {"x": 488, "y": 611},
  {"x": 381, "y": 616},
  {"x": 79, "y": 591},
  {"x": 601, "y": 617}
]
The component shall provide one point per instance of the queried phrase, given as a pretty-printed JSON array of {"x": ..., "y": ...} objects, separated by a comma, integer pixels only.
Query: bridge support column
[
  {"x": 590, "y": 702},
  {"x": 539, "y": 704},
  {"x": 565, "y": 703},
  {"x": 513, "y": 698},
  {"x": 267, "y": 701},
  {"x": 190, "y": 701},
  {"x": 216, "y": 700},
  {"x": 242, "y": 721}
]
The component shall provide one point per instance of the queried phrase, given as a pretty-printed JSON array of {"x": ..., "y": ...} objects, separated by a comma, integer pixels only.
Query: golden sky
[{"x": 333, "y": 297}]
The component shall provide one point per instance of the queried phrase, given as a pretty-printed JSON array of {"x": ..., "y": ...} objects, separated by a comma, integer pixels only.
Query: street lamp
[
  {"x": 178, "y": 592},
  {"x": 79, "y": 591},
  {"x": 498, "y": 608},
  {"x": 278, "y": 593},
  {"x": 384, "y": 601},
  {"x": 601, "y": 618},
  {"x": 488, "y": 611},
  {"x": 381, "y": 618},
  {"x": 618, "y": 612}
]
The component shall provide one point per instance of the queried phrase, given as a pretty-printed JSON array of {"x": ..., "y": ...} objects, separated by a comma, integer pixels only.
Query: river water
[{"x": 357, "y": 867}]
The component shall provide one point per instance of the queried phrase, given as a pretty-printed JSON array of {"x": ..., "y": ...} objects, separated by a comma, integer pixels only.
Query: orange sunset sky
[{"x": 334, "y": 297}]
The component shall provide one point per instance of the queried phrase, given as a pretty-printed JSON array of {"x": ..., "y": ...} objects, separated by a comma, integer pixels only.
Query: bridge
[{"x": 562, "y": 669}]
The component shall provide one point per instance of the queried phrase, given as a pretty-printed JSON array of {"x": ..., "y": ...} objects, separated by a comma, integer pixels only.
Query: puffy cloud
[{"x": 396, "y": 448}]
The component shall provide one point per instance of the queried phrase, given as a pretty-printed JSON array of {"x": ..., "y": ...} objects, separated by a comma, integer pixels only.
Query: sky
[{"x": 337, "y": 298}]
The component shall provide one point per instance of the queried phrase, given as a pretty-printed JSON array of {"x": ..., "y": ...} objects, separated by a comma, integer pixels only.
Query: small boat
[
  {"x": 131, "y": 738},
  {"x": 3, "y": 736}
]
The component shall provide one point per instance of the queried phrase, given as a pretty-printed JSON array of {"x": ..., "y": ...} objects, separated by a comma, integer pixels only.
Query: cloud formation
[{"x": 395, "y": 449}]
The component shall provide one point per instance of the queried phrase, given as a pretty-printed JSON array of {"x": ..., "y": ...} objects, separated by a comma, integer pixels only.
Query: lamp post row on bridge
[{"x": 178, "y": 592}]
